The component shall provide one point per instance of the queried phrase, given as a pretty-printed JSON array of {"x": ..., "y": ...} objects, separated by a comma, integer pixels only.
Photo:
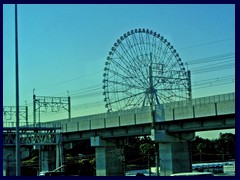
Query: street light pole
[{"x": 18, "y": 173}]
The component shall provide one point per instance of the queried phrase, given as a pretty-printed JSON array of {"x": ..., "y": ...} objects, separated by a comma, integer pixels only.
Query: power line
[
  {"x": 211, "y": 69},
  {"x": 212, "y": 58},
  {"x": 207, "y": 43}
]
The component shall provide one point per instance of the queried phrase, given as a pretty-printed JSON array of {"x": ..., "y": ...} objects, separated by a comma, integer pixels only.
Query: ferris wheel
[{"x": 143, "y": 68}]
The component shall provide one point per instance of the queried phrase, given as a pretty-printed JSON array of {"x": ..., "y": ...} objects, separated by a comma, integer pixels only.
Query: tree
[
  {"x": 219, "y": 149},
  {"x": 200, "y": 148},
  {"x": 225, "y": 145}
]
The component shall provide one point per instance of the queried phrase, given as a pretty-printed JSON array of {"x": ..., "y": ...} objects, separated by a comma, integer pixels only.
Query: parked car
[
  {"x": 193, "y": 174},
  {"x": 51, "y": 173}
]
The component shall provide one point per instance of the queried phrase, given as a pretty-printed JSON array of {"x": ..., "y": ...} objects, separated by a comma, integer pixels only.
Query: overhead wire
[{"x": 207, "y": 43}]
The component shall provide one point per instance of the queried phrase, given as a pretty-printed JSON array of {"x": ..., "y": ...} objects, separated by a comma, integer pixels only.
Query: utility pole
[
  {"x": 34, "y": 109},
  {"x": 151, "y": 91},
  {"x": 69, "y": 106},
  {"x": 189, "y": 85},
  {"x": 18, "y": 163},
  {"x": 9, "y": 113},
  {"x": 54, "y": 103}
]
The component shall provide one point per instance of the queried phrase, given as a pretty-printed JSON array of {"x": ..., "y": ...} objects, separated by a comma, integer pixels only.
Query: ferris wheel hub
[{"x": 150, "y": 90}]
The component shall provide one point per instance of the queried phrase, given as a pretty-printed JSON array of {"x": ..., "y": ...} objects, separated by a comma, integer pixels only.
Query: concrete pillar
[
  {"x": 175, "y": 158},
  {"x": 108, "y": 157},
  {"x": 59, "y": 156},
  {"x": 44, "y": 161},
  {"x": 174, "y": 151},
  {"x": 50, "y": 158},
  {"x": 9, "y": 159},
  {"x": 9, "y": 162}
]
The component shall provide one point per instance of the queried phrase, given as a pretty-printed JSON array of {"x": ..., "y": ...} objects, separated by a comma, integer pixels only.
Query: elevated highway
[
  {"x": 201, "y": 114},
  {"x": 176, "y": 124}
]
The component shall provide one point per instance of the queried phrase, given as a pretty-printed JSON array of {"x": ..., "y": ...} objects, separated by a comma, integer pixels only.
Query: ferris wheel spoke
[
  {"x": 141, "y": 39},
  {"x": 125, "y": 70},
  {"x": 156, "y": 97},
  {"x": 123, "y": 99},
  {"x": 137, "y": 45},
  {"x": 124, "y": 84},
  {"x": 164, "y": 98},
  {"x": 144, "y": 100},
  {"x": 127, "y": 66},
  {"x": 145, "y": 76},
  {"x": 126, "y": 52},
  {"x": 139, "y": 42},
  {"x": 154, "y": 45},
  {"x": 133, "y": 68},
  {"x": 169, "y": 60},
  {"x": 147, "y": 43},
  {"x": 139, "y": 100},
  {"x": 137, "y": 66},
  {"x": 133, "y": 102},
  {"x": 172, "y": 94},
  {"x": 166, "y": 90},
  {"x": 159, "y": 50},
  {"x": 164, "y": 53},
  {"x": 133, "y": 50},
  {"x": 118, "y": 74}
]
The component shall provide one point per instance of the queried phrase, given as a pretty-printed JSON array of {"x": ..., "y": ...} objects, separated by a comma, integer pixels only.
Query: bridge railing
[
  {"x": 24, "y": 124},
  {"x": 13, "y": 124},
  {"x": 202, "y": 100},
  {"x": 199, "y": 107}
]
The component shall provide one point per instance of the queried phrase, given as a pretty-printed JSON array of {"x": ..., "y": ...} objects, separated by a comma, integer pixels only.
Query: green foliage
[
  {"x": 80, "y": 159},
  {"x": 220, "y": 149},
  {"x": 138, "y": 152}
]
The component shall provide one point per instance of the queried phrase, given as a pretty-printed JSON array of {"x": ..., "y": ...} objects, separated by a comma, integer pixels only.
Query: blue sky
[{"x": 64, "y": 47}]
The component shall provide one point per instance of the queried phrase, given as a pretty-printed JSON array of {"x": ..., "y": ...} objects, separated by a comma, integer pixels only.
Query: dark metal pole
[
  {"x": 189, "y": 85},
  {"x": 149, "y": 165},
  {"x": 8, "y": 164},
  {"x": 18, "y": 168},
  {"x": 34, "y": 109},
  {"x": 26, "y": 116},
  {"x": 151, "y": 92},
  {"x": 69, "y": 108},
  {"x": 157, "y": 158},
  {"x": 153, "y": 114}
]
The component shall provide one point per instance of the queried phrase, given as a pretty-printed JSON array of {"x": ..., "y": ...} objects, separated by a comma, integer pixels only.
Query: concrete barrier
[
  {"x": 227, "y": 107},
  {"x": 183, "y": 112},
  {"x": 202, "y": 110},
  {"x": 127, "y": 120},
  {"x": 112, "y": 121},
  {"x": 97, "y": 123},
  {"x": 72, "y": 127},
  {"x": 84, "y": 125}
]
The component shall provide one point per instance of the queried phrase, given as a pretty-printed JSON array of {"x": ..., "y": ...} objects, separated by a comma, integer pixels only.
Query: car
[
  {"x": 142, "y": 172},
  {"x": 51, "y": 173},
  {"x": 193, "y": 174}
]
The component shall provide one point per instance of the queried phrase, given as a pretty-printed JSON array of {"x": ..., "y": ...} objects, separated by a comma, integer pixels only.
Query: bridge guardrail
[
  {"x": 206, "y": 106},
  {"x": 203, "y": 100}
]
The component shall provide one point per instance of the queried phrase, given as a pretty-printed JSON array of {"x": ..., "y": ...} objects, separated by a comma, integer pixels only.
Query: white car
[{"x": 193, "y": 174}]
